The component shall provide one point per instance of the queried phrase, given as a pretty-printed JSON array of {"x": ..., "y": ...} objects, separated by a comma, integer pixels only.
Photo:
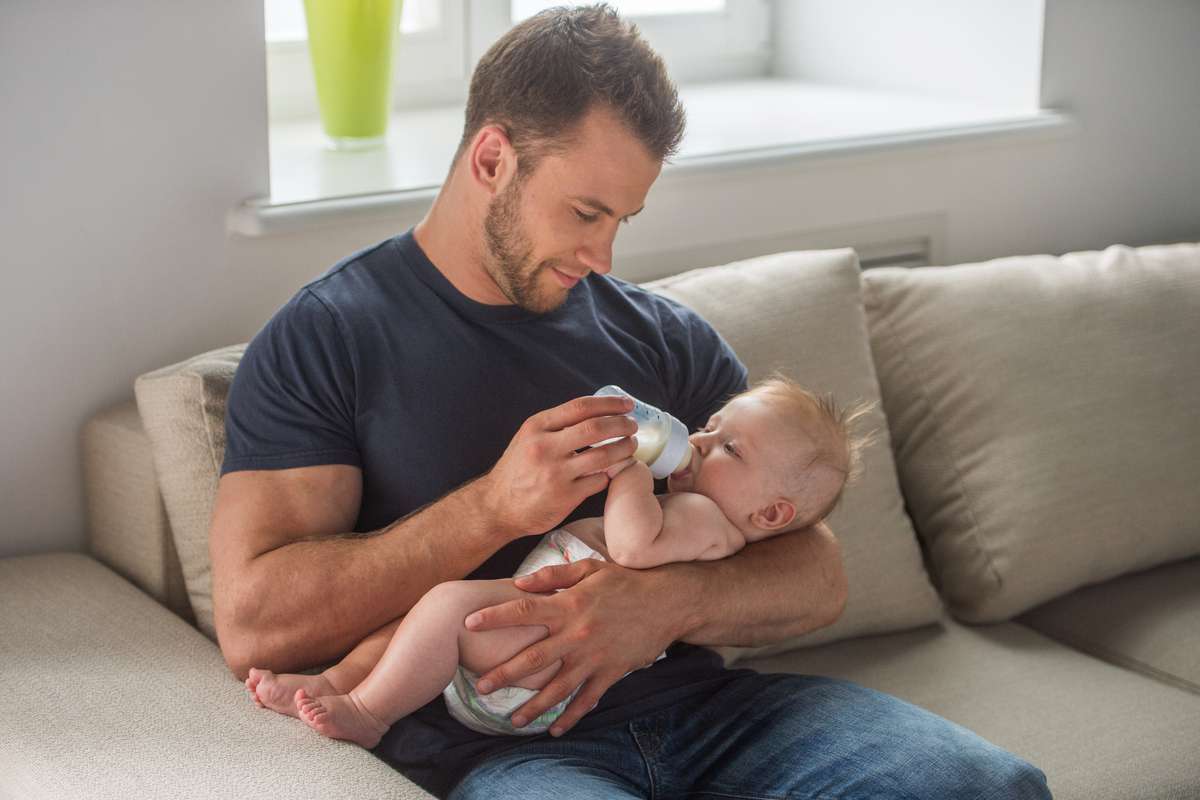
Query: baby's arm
[{"x": 643, "y": 531}]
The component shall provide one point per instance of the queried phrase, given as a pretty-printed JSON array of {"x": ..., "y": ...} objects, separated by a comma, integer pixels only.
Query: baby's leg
[
  {"x": 278, "y": 691},
  {"x": 421, "y": 660}
]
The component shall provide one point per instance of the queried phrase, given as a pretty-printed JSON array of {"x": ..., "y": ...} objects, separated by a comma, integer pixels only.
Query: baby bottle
[{"x": 662, "y": 440}]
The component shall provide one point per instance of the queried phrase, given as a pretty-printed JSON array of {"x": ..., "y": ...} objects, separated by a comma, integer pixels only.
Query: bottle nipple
[{"x": 686, "y": 461}]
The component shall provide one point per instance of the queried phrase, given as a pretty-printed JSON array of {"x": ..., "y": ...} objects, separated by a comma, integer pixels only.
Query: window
[
  {"x": 440, "y": 41},
  {"x": 764, "y": 82},
  {"x": 527, "y": 8},
  {"x": 285, "y": 19}
]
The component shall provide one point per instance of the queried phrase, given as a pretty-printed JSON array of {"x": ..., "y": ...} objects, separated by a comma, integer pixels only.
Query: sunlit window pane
[
  {"x": 631, "y": 8},
  {"x": 285, "y": 18}
]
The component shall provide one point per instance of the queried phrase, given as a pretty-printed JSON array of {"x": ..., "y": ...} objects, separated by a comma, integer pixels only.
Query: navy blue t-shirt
[{"x": 383, "y": 364}]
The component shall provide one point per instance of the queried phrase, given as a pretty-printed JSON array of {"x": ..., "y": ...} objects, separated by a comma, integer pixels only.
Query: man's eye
[{"x": 586, "y": 217}]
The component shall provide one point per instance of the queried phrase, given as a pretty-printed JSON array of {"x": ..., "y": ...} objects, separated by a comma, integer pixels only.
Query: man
[{"x": 371, "y": 455}]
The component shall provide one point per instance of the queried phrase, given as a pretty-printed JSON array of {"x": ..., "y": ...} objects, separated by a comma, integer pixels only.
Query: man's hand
[
  {"x": 540, "y": 478},
  {"x": 598, "y": 627}
]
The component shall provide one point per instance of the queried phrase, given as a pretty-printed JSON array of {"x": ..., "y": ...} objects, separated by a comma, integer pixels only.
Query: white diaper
[{"x": 491, "y": 713}]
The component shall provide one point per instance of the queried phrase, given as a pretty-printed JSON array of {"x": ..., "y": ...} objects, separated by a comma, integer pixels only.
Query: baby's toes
[{"x": 254, "y": 694}]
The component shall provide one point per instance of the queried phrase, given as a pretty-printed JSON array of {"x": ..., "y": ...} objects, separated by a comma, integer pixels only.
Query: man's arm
[
  {"x": 768, "y": 591},
  {"x": 292, "y": 589}
]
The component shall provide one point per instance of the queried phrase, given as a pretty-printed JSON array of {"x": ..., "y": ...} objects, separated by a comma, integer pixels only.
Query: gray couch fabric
[
  {"x": 113, "y": 696},
  {"x": 1043, "y": 413},
  {"x": 1148, "y": 622},
  {"x": 127, "y": 521}
]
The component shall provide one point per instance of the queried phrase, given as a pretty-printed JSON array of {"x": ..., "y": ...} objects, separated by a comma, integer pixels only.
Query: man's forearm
[
  {"x": 770, "y": 590},
  {"x": 310, "y": 601}
]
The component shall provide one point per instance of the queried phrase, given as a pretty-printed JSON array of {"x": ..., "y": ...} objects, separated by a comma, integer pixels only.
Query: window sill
[{"x": 730, "y": 125}]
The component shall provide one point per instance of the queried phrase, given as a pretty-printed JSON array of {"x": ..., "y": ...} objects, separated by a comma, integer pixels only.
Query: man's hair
[
  {"x": 540, "y": 79},
  {"x": 840, "y": 446}
]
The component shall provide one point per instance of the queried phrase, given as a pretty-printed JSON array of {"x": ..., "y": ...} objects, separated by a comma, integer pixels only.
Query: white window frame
[{"x": 432, "y": 68}]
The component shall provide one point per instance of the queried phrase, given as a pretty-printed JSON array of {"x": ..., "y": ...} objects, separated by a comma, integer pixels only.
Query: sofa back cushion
[
  {"x": 1044, "y": 414},
  {"x": 799, "y": 312},
  {"x": 183, "y": 410}
]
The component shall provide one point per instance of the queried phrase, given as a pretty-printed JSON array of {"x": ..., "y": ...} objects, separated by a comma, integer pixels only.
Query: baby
[{"x": 774, "y": 459}]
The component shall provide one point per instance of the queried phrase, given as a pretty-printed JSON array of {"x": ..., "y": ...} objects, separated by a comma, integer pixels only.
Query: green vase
[{"x": 351, "y": 44}]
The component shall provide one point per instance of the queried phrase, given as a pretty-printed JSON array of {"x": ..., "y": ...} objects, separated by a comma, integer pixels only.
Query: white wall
[{"x": 131, "y": 127}]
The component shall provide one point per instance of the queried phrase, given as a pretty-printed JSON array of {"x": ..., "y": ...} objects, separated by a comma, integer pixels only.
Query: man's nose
[{"x": 597, "y": 255}]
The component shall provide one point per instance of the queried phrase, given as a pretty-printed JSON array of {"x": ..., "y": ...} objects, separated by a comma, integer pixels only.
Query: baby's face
[
  {"x": 735, "y": 457},
  {"x": 738, "y": 457}
]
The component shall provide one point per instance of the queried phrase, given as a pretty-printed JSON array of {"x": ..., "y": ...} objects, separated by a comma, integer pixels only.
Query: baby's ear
[{"x": 776, "y": 516}]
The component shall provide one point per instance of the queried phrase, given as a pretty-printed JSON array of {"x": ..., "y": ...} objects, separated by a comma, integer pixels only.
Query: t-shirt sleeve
[
  {"x": 702, "y": 370},
  {"x": 292, "y": 401}
]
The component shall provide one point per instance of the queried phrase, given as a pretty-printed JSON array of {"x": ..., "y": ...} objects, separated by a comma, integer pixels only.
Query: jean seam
[{"x": 645, "y": 760}]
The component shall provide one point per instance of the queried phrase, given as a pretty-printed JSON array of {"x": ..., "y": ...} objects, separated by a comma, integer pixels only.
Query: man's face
[{"x": 547, "y": 230}]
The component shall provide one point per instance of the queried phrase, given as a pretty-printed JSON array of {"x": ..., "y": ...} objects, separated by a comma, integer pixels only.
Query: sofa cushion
[
  {"x": 1099, "y": 732},
  {"x": 1148, "y": 622},
  {"x": 183, "y": 409},
  {"x": 110, "y": 695},
  {"x": 1043, "y": 412},
  {"x": 802, "y": 313}
]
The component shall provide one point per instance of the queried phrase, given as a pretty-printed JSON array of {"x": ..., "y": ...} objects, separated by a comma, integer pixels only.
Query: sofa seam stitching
[{"x": 1091, "y": 647}]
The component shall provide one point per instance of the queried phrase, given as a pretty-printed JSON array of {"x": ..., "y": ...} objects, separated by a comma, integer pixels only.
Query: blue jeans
[{"x": 764, "y": 736}]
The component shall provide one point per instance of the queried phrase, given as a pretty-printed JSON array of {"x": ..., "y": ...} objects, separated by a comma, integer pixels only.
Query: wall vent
[{"x": 900, "y": 242}]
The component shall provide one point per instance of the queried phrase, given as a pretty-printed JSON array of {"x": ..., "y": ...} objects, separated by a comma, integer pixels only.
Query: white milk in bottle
[{"x": 662, "y": 440}]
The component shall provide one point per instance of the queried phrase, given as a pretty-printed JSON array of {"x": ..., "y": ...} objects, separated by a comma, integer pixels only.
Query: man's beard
[{"x": 510, "y": 254}]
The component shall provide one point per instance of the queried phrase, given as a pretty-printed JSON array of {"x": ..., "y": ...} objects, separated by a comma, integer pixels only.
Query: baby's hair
[{"x": 842, "y": 449}]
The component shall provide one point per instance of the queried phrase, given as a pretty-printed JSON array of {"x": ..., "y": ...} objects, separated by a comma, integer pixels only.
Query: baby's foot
[
  {"x": 338, "y": 716},
  {"x": 278, "y": 692}
]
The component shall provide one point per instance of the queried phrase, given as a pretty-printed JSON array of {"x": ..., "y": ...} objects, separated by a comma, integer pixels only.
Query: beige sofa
[{"x": 1022, "y": 552}]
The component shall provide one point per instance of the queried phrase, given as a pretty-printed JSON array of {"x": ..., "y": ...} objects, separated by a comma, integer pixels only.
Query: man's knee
[
  {"x": 990, "y": 774},
  {"x": 933, "y": 757},
  {"x": 1017, "y": 779}
]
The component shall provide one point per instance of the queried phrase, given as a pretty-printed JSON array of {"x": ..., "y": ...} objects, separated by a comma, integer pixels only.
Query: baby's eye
[{"x": 729, "y": 448}]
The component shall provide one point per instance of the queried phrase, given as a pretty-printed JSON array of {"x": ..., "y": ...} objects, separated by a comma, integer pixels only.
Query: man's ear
[
  {"x": 492, "y": 159},
  {"x": 778, "y": 514}
]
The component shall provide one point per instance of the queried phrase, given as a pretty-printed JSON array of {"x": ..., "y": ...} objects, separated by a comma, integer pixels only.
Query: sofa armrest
[
  {"x": 128, "y": 528},
  {"x": 111, "y": 695}
]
